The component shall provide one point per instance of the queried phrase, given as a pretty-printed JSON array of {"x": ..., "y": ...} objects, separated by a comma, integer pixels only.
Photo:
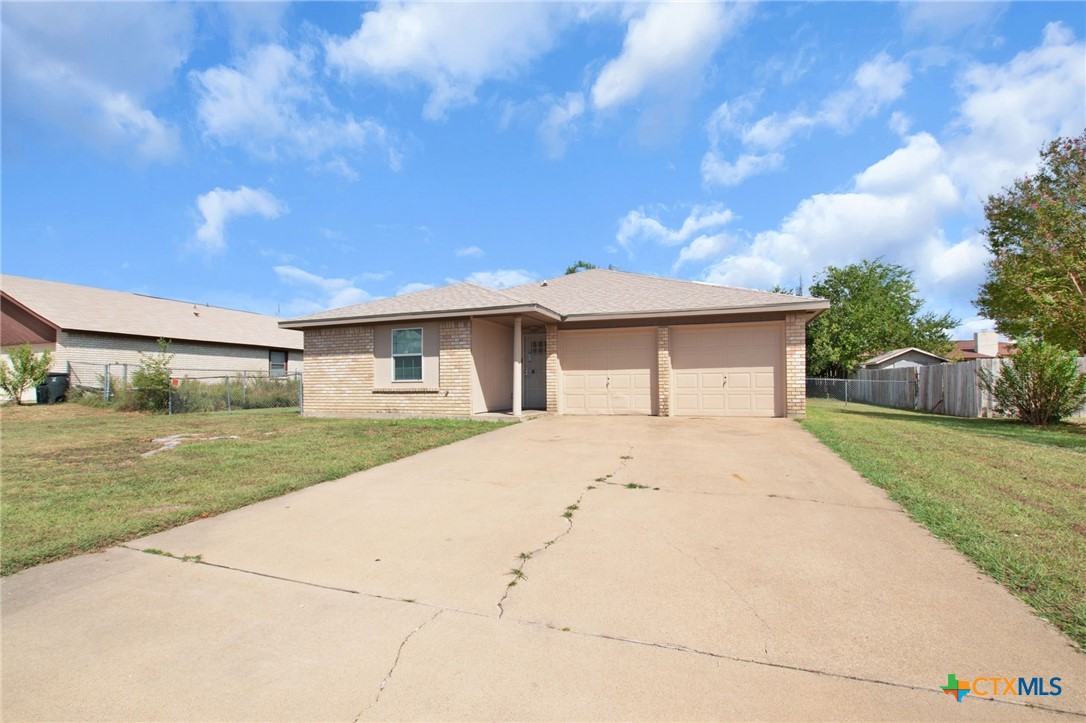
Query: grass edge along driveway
[
  {"x": 1012, "y": 498},
  {"x": 74, "y": 479}
]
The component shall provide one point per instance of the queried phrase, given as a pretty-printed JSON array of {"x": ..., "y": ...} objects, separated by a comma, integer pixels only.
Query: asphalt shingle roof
[
  {"x": 596, "y": 291},
  {"x": 602, "y": 291},
  {"x": 82, "y": 308}
]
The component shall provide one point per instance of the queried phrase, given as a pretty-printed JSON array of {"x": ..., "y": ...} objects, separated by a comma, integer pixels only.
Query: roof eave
[
  {"x": 817, "y": 307},
  {"x": 301, "y": 324}
]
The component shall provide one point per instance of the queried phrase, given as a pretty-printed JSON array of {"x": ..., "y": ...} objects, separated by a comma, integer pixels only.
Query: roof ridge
[{"x": 499, "y": 292}]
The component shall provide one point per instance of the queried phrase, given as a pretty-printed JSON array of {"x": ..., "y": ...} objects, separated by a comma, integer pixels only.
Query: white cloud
[
  {"x": 894, "y": 209},
  {"x": 875, "y": 84},
  {"x": 666, "y": 50},
  {"x": 716, "y": 171},
  {"x": 946, "y": 19},
  {"x": 473, "y": 251},
  {"x": 412, "y": 288},
  {"x": 558, "y": 127},
  {"x": 270, "y": 104},
  {"x": 637, "y": 226},
  {"x": 220, "y": 205},
  {"x": 334, "y": 292},
  {"x": 452, "y": 48},
  {"x": 499, "y": 279},
  {"x": 1010, "y": 111},
  {"x": 71, "y": 65}
]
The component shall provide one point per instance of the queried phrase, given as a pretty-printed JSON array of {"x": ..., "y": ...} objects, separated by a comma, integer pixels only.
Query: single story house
[
  {"x": 983, "y": 345},
  {"x": 594, "y": 342},
  {"x": 899, "y": 358},
  {"x": 86, "y": 328}
]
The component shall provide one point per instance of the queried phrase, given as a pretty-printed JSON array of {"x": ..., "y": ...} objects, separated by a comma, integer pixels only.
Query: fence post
[
  {"x": 169, "y": 401},
  {"x": 125, "y": 368},
  {"x": 105, "y": 384},
  {"x": 846, "y": 392},
  {"x": 300, "y": 398},
  {"x": 227, "y": 393},
  {"x": 244, "y": 393}
]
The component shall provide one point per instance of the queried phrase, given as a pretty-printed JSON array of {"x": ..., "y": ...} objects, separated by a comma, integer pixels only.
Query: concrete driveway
[{"x": 718, "y": 570}]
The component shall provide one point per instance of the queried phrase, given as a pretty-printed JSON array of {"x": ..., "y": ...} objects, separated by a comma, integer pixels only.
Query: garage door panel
[
  {"x": 748, "y": 356},
  {"x": 616, "y": 367}
]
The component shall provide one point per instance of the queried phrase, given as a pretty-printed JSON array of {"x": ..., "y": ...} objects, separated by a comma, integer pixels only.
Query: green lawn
[
  {"x": 1011, "y": 497},
  {"x": 73, "y": 479}
]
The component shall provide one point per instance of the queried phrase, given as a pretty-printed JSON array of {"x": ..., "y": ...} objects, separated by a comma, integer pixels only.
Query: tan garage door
[
  {"x": 608, "y": 372},
  {"x": 727, "y": 371}
]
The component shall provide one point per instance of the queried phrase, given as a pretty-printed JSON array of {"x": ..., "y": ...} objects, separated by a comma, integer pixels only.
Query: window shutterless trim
[{"x": 419, "y": 354}]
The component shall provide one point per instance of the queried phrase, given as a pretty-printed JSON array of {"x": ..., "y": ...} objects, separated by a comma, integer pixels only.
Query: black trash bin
[{"x": 53, "y": 390}]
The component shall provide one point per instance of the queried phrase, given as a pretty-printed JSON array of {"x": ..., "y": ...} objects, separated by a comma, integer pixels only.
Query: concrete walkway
[{"x": 717, "y": 570}]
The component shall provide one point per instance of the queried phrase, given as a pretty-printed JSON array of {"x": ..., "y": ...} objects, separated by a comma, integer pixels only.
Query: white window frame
[{"x": 420, "y": 355}]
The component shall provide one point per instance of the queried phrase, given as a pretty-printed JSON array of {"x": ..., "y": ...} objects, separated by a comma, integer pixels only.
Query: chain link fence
[
  {"x": 194, "y": 390},
  {"x": 900, "y": 394},
  {"x": 246, "y": 390}
]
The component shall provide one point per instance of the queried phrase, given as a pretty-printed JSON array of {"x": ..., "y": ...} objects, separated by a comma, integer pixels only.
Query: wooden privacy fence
[{"x": 954, "y": 389}]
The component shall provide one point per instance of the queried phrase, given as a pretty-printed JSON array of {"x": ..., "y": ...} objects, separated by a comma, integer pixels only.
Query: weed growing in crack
[
  {"x": 407, "y": 599},
  {"x": 590, "y": 487},
  {"x": 609, "y": 476},
  {"x": 525, "y": 556},
  {"x": 571, "y": 508},
  {"x": 635, "y": 486},
  {"x": 518, "y": 574},
  {"x": 601, "y": 479},
  {"x": 565, "y": 630},
  {"x": 568, "y": 514},
  {"x": 164, "y": 553},
  {"x": 626, "y": 456}
]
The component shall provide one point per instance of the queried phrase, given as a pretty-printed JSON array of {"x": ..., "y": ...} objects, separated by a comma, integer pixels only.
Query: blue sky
[{"x": 292, "y": 157}]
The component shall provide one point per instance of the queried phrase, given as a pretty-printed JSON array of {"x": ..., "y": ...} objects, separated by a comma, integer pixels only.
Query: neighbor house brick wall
[
  {"x": 339, "y": 375},
  {"x": 663, "y": 370},
  {"x": 553, "y": 369},
  {"x": 795, "y": 362},
  {"x": 89, "y": 352}
]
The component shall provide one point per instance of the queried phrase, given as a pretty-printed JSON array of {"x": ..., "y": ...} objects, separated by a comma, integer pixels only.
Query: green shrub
[
  {"x": 151, "y": 380},
  {"x": 1041, "y": 384},
  {"x": 27, "y": 370}
]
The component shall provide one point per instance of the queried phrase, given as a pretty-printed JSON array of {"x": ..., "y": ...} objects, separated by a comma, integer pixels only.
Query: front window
[
  {"x": 407, "y": 355},
  {"x": 277, "y": 363}
]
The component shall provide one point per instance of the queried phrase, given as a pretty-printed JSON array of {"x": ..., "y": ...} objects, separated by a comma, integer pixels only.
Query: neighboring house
[
  {"x": 899, "y": 358},
  {"x": 87, "y": 328},
  {"x": 983, "y": 345},
  {"x": 594, "y": 342}
]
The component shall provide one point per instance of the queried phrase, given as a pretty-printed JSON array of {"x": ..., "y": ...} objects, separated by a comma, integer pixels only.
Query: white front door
[{"x": 534, "y": 368}]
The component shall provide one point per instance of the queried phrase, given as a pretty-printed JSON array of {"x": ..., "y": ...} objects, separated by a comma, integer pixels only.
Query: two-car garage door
[{"x": 717, "y": 370}]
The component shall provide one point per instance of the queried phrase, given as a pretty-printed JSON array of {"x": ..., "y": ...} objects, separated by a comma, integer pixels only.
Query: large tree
[
  {"x": 1036, "y": 233},
  {"x": 875, "y": 308}
]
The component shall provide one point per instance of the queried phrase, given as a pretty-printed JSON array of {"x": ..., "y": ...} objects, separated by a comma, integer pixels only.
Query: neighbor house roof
[
  {"x": 967, "y": 349},
  {"x": 887, "y": 356},
  {"x": 82, "y": 308},
  {"x": 584, "y": 295}
]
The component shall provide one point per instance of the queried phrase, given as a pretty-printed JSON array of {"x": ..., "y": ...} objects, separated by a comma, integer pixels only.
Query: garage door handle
[{"x": 725, "y": 381}]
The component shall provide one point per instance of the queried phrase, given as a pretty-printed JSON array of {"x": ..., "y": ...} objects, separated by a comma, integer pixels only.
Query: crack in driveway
[{"x": 399, "y": 652}]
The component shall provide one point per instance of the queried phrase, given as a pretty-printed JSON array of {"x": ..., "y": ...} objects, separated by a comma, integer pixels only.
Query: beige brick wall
[
  {"x": 339, "y": 375},
  {"x": 795, "y": 363},
  {"x": 553, "y": 368},
  {"x": 663, "y": 370}
]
